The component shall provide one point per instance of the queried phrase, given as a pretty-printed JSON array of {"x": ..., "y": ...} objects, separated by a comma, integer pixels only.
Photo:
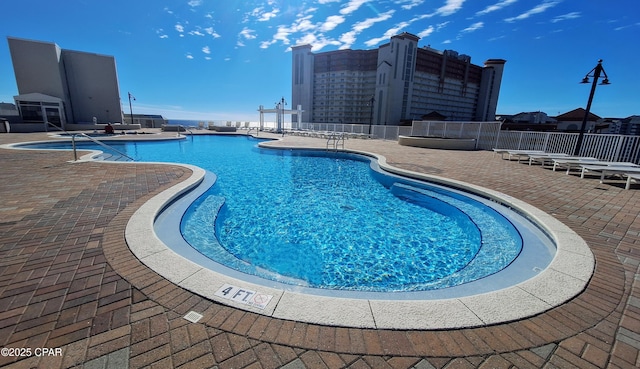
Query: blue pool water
[{"x": 328, "y": 220}]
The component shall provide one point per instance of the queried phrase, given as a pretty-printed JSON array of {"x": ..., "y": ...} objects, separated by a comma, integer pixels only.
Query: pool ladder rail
[
  {"x": 75, "y": 153},
  {"x": 112, "y": 149},
  {"x": 335, "y": 139},
  {"x": 186, "y": 129}
]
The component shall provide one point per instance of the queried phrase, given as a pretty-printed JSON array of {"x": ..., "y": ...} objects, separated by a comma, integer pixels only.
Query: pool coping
[{"x": 565, "y": 277}]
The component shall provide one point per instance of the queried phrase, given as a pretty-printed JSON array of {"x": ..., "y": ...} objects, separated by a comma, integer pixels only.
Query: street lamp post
[
  {"x": 130, "y": 107},
  {"x": 280, "y": 115},
  {"x": 371, "y": 101},
  {"x": 597, "y": 70}
]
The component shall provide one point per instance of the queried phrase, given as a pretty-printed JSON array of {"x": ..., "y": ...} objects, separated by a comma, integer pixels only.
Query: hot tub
[{"x": 438, "y": 142}]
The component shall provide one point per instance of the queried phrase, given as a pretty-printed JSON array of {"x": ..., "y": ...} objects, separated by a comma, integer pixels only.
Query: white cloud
[
  {"x": 440, "y": 26},
  {"x": 426, "y": 32},
  {"x": 572, "y": 15},
  {"x": 194, "y": 3},
  {"x": 268, "y": 15},
  {"x": 541, "y": 8},
  {"x": 625, "y": 27},
  {"x": 388, "y": 34},
  {"x": 349, "y": 38},
  {"x": 317, "y": 42},
  {"x": 331, "y": 22},
  {"x": 189, "y": 56},
  {"x": 362, "y": 25},
  {"x": 352, "y": 6},
  {"x": 282, "y": 34},
  {"x": 247, "y": 33},
  {"x": 328, "y": 1},
  {"x": 206, "y": 50},
  {"x": 210, "y": 31},
  {"x": 263, "y": 15},
  {"x": 196, "y": 33},
  {"x": 161, "y": 33},
  {"x": 451, "y": 7},
  {"x": 497, "y": 6},
  {"x": 408, "y": 4},
  {"x": 266, "y": 44},
  {"x": 179, "y": 27},
  {"x": 474, "y": 27}
]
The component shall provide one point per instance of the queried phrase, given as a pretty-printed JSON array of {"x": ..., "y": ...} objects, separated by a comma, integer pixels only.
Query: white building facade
[
  {"x": 60, "y": 87},
  {"x": 396, "y": 83}
]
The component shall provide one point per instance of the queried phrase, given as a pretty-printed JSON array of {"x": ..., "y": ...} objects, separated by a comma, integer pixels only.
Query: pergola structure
[{"x": 280, "y": 111}]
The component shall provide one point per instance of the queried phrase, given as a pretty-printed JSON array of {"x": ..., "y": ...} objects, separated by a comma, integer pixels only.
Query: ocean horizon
[{"x": 217, "y": 122}]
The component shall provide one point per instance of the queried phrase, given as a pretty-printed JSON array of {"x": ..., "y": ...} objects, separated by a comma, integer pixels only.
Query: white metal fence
[
  {"x": 489, "y": 136},
  {"x": 375, "y": 131},
  {"x": 485, "y": 133},
  {"x": 602, "y": 146}
]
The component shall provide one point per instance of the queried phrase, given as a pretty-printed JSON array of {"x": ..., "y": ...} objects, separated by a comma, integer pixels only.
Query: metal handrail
[
  {"x": 185, "y": 129},
  {"x": 106, "y": 146},
  {"x": 73, "y": 142},
  {"x": 336, "y": 140},
  {"x": 252, "y": 128}
]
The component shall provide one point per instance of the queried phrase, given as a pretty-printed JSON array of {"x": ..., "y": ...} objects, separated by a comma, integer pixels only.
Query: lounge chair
[
  {"x": 611, "y": 167},
  {"x": 545, "y": 158},
  {"x": 629, "y": 170},
  {"x": 631, "y": 176},
  {"x": 517, "y": 153},
  {"x": 573, "y": 162}
]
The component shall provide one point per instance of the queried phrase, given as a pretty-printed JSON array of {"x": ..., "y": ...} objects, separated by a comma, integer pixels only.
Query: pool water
[{"x": 329, "y": 220}]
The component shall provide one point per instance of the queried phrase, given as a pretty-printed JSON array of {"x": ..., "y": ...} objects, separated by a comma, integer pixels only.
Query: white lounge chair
[
  {"x": 610, "y": 167},
  {"x": 522, "y": 153},
  {"x": 511, "y": 152},
  {"x": 544, "y": 158},
  {"x": 573, "y": 162},
  {"x": 631, "y": 176},
  {"x": 629, "y": 170}
]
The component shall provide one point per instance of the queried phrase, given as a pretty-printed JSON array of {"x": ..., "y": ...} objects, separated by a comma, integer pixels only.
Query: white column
[{"x": 261, "y": 108}]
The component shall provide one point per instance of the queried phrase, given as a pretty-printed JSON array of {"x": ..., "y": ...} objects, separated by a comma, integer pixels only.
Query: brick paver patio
[{"x": 69, "y": 282}]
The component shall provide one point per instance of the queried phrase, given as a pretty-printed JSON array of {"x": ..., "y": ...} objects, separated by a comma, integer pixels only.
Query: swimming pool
[
  {"x": 524, "y": 288},
  {"x": 334, "y": 221}
]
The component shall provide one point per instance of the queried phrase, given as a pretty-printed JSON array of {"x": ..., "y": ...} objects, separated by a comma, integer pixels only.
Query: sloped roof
[
  {"x": 36, "y": 96},
  {"x": 434, "y": 115},
  {"x": 577, "y": 115}
]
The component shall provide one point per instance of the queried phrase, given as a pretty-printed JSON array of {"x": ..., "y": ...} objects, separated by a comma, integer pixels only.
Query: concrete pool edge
[{"x": 566, "y": 276}]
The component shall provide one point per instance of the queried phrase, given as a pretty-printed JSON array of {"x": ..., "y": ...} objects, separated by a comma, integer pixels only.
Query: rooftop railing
[{"x": 608, "y": 147}]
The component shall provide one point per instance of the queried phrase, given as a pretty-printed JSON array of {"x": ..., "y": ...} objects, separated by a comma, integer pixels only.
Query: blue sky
[{"x": 220, "y": 60}]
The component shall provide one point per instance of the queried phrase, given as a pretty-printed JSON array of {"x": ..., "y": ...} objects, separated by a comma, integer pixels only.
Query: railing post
[
  {"x": 619, "y": 147},
  {"x": 520, "y": 140},
  {"x": 546, "y": 142},
  {"x": 73, "y": 144}
]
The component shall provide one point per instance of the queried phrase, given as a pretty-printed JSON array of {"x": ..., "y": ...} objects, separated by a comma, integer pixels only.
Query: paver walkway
[{"x": 69, "y": 282}]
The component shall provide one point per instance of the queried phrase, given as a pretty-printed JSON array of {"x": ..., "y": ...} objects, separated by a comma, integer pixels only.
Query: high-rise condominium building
[{"x": 395, "y": 83}]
